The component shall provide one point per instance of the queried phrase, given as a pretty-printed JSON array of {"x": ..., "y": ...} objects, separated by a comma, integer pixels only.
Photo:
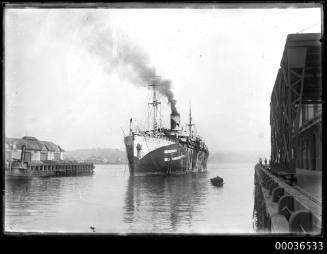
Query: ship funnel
[{"x": 174, "y": 121}]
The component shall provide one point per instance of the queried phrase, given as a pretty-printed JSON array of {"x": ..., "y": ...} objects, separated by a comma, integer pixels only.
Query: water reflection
[
  {"x": 28, "y": 200},
  {"x": 166, "y": 203},
  {"x": 115, "y": 203}
]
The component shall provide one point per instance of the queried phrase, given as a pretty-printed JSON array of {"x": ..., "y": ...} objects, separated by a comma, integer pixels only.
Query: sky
[{"x": 74, "y": 76}]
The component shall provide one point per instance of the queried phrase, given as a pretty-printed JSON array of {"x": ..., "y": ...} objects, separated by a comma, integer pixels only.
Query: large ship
[{"x": 164, "y": 151}]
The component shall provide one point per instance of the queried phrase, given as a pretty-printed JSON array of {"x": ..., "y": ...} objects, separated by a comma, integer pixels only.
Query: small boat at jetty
[{"x": 217, "y": 181}]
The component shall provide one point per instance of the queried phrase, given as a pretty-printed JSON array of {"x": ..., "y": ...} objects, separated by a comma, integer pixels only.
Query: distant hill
[
  {"x": 237, "y": 157},
  {"x": 97, "y": 155},
  {"x": 117, "y": 156}
]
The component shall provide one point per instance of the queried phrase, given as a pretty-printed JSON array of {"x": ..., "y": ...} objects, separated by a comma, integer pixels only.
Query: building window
[
  {"x": 317, "y": 110},
  {"x": 44, "y": 156},
  {"x": 57, "y": 156},
  {"x": 28, "y": 157},
  {"x": 8, "y": 155},
  {"x": 304, "y": 114},
  {"x": 308, "y": 112}
]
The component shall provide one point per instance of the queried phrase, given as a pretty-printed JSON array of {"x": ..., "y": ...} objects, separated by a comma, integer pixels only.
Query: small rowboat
[{"x": 217, "y": 181}]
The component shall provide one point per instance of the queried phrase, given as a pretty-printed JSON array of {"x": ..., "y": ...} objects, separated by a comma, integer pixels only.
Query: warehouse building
[
  {"x": 296, "y": 112},
  {"x": 31, "y": 149}
]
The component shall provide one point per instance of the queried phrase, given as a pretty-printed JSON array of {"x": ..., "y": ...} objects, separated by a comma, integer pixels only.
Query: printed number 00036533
[{"x": 299, "y": 245}]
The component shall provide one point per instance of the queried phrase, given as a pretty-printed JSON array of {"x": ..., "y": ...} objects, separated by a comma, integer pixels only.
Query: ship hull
[{"x": 159, "y": 156}]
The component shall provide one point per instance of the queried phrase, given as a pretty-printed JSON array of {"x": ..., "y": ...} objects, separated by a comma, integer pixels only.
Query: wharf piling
[
  {"x": 46, "y": 169},
  {"x": 282, "y": 208}
]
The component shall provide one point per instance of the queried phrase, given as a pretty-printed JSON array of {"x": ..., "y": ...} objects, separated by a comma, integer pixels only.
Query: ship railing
[{"x": 191, "y": 142}]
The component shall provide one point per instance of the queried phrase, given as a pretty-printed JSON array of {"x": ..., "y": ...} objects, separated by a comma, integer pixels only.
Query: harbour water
[{"x": 112, "y": 202}]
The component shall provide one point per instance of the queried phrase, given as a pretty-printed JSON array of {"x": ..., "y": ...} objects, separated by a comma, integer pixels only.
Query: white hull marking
[
  {"x": 148, "y": 144},
  {"x": 175, "y": 158},
  {"x": 170, "y": 151}
]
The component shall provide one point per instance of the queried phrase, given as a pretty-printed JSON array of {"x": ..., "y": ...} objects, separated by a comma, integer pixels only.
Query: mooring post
[
  {"x": 277, "y": 193},
  {"x": 301, "y": 221},
  {"x": 286, "y": 206}
]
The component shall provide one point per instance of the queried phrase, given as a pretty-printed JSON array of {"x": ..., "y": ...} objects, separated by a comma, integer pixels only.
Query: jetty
[
  {"x": 30, "y": 157},
  {"x": 283, "y": 208},
  {"x": 288, "y": 193},
  {"x": 46, "y": 169}
]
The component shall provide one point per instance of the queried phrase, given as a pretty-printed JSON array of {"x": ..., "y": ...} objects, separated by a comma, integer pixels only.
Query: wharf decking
[
  {"x": 51, "y": 168},
  {"x": 282, "y": 207}
]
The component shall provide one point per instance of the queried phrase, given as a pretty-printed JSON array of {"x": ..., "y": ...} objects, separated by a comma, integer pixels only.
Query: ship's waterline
[
  {"x": 162, "y": 157},
  {"x": 112, "y": 201}
]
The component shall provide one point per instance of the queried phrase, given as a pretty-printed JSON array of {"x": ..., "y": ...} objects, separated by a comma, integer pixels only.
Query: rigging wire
[{"x": 304, "y": 29}]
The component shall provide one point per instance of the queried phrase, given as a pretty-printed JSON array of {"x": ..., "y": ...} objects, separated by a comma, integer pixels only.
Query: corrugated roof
[
  {"x": 62, "y": 150},
  {"x": 312, "y": 66},
  {"x": 32, "y": 143},
  {"x": 50, "y": 146},
  {"x": 30, "y": 138}
]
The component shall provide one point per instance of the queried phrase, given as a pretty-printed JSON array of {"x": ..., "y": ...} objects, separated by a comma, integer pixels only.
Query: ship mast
[
  {"x": 190, "y": 122},
  {"x": 155, "y": 103}
]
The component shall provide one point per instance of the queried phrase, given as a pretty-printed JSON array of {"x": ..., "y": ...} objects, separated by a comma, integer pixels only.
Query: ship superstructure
[{"x": 165, "y": 151}]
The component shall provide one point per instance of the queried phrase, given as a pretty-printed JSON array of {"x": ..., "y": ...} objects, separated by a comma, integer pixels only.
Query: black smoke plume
[
  {"x": 136, "y": 65},
  {"x": 165, "y": 89},
  {"x": 120, "y": 54}
]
